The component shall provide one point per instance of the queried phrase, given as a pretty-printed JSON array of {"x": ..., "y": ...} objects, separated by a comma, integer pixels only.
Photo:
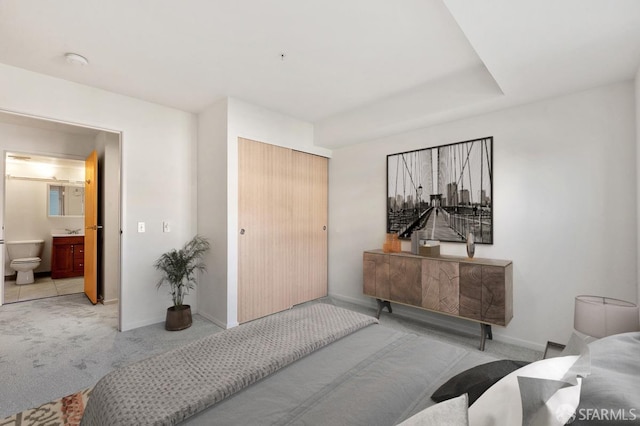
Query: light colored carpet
[{"x": 55, "y": 347}]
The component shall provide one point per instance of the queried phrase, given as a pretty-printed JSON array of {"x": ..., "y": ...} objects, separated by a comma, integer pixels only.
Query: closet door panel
[
  {"x": 265, "y": 240},
  {"x": 319, "y": 214},
  {"x": 309, "y": 221}
]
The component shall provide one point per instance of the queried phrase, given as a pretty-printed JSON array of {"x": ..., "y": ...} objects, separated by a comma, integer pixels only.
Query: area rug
[{"x": 66, "y": 411}]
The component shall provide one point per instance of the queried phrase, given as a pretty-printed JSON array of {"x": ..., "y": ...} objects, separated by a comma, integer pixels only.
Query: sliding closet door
[
  {"x": 264, "y": 218},
  {"x": 309, "y": 219}
]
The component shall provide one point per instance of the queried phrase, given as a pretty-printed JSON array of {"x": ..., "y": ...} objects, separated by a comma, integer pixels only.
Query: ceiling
[{"x": 357, "y": 69}]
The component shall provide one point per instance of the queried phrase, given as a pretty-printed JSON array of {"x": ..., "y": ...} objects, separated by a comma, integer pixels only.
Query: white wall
[
  {"x": 565, "y": 206},
  {"x": 212, "y": 210},
  {"x": 26, "y": 218},
  {"x": 159, "y": 177},
  {"x": 220, "y": 126}
]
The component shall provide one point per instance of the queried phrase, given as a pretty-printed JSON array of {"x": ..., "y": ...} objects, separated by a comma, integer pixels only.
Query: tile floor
[{"x": 43, "y": 287}]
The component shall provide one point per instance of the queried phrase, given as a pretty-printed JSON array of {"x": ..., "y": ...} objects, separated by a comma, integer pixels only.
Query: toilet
[{"x": 25, "y": 257}]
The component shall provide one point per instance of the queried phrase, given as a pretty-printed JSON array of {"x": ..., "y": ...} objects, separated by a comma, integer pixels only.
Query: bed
[
  {"x": 375, "y": 376},
  {"x": 594, "y": 384},
  {"x": 371, "y": 375},
  {"x": 613, "y": 386}
]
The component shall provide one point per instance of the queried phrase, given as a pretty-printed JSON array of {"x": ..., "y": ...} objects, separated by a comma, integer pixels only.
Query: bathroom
[
  {"x": 26, "y": 217},
  {"x": 44, "y": 196}
]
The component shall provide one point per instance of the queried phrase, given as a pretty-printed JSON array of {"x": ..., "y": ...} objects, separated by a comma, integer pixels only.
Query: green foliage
[{"x": 179, "y": 267}]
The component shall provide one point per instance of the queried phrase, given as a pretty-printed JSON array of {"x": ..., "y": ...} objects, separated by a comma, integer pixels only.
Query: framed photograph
[{"x": 445, "y": 191}]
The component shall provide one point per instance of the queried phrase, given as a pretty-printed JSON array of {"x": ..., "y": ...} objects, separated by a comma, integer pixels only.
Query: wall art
[{"x": 445, "y": 190}]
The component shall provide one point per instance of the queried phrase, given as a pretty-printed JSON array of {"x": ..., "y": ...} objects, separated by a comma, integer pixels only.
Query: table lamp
[{"x": 598, "y": 316}]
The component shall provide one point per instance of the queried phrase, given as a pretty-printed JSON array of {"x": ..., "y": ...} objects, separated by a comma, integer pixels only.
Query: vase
[
  {"x": 471, "y": 245},
  {"x": 178, "y": 318},
  {"x": 396, "y": 245},
  {"x": 387, "y": 246}
]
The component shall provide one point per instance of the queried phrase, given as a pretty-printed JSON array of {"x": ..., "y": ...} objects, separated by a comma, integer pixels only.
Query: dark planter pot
[{"x": 178, "y": 318}]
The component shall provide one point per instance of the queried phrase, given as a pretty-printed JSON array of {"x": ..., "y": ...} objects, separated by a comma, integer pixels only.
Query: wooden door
[
  {"x": 264, "y": 219},
  {"x": 309, "y": 221},
  {"x": 91, "y": 228}
]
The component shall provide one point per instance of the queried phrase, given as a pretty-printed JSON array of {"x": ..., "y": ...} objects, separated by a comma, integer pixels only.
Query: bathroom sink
[{"x": 66, "y": 235}]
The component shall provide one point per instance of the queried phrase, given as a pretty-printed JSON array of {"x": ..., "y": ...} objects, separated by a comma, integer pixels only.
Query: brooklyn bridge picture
[{"x": 446, "y": 191}]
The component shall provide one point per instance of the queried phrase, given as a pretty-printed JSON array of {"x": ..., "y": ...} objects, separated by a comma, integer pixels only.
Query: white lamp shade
[{"x": 603, "y": 316}]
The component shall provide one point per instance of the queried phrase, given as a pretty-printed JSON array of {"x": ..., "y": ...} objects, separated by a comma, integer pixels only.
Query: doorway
[
  {"x": 44, "y": 214},
  {"x": 64, "y": 142}
]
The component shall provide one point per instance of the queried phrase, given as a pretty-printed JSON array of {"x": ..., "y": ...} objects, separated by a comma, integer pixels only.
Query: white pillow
[
  {"x": 452, "y": 412},
  {"x": 543, "y": 393}
]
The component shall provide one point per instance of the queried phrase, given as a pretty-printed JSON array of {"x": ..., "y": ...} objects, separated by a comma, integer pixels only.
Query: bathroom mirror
[{"x": 65, "y": 200}]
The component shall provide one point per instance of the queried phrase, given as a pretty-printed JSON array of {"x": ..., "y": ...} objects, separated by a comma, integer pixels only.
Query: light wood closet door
[
  {"x": 310, "y": 199},
  {"x": 265, "y": 240}
]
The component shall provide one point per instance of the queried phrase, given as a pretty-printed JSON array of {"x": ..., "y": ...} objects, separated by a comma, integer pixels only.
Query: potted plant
[{"x": 178, "y": 271}]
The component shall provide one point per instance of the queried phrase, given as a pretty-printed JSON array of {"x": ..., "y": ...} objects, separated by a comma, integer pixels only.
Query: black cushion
[{"x": 476, "y": 380}]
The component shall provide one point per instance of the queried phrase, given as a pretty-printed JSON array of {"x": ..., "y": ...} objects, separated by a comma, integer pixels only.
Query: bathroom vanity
[{"x": 67, "y": 256}]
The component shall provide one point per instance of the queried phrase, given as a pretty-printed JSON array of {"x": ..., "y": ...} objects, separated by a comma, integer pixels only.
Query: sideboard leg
[
  {"x": 381, "y": 305},
  {"x": 485, "y": 333}
]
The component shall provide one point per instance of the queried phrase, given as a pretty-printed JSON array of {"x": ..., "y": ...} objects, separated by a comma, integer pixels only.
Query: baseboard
[
  {"x": 217, "y": 322},
  {"x": 438, "y": 320},
  {"x": 138, "y": 324},
  {"x": 441, "y": 321},
  {"x": 522, "y": 343},
  {"x": 110, "y": 301}
]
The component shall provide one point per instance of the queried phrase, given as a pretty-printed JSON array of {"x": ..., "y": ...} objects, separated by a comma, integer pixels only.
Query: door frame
[{"x": 36, "y": 118}]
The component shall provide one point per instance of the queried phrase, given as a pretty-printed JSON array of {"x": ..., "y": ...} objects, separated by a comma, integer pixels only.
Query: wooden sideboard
[{"x": 480, "y": 290}]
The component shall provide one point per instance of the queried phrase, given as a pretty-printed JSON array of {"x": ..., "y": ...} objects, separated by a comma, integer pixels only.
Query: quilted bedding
[{"x": 170, "y": 387}]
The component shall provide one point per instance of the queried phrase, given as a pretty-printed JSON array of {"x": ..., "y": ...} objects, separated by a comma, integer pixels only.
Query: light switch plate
[
  {"x": 165, "y": 226},
  {"x": 141, "y": 227}
]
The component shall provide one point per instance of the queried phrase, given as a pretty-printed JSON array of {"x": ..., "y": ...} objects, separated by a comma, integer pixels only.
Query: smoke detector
[{"x": 75, "y": 59}]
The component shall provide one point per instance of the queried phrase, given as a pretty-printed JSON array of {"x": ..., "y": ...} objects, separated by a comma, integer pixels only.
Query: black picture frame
[{"x": 445, "y": 190}]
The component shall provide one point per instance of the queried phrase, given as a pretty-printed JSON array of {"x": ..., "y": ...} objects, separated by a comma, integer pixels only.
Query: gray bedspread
[
  {"x": 172, "y": 386},
  {"x": 610, "y": 395},
  {"x": 375, "y": 376}
]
